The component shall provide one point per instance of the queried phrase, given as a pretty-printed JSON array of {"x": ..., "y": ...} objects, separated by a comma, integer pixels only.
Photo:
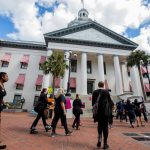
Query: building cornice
[
  {"x": 89, "y": 43},
  {"x": 23, "y": 45}
]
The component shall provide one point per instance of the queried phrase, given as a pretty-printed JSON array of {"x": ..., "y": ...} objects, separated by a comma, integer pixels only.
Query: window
[
  {"x": 17, "y": 97},
  {"x": 73, "y": 90},
  {"x": 19, "y": 87},
  {"x": 89, "y": 66},
  {"x": 40, "y": 66},
  {"x": 38, "y": 87},
  {"x": 145, "y": 75},
  {"x": 129, "y": 73},
  {"x": 36, "y": 97},
  {"x": 73, "y": 65},
  {"x": 5, "y": 64},
  {"x": 104, "y": 68},
  {"x": 147, "y": 93},
  {"x": 24, "y": 66}
]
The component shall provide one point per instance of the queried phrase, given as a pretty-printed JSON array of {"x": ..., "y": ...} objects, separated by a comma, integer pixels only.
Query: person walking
[
  {"x": 77, "y": 111},
  {"x": 104, "y": 112},
  {"x": 3, "y": 79},
  {"x": 41, "y": 106},
  {"x": 129, "y": 108},
  {"x": 60, "y": 113},
  {"x": 143, "y": 110},
  {"x": 138, "y": 112}
]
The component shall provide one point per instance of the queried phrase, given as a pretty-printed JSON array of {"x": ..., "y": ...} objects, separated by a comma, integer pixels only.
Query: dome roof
[{"x": 82, "y": 18}]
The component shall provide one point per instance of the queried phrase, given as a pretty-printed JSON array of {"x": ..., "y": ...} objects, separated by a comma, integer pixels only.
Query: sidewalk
[{"x": 15, "y": 133}]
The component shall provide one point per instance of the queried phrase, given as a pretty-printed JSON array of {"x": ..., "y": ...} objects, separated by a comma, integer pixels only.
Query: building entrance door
[{"x": 90, "y": 86}]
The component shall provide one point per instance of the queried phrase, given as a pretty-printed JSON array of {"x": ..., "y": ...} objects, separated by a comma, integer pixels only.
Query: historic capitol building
[{"x": 101, "y": 56}]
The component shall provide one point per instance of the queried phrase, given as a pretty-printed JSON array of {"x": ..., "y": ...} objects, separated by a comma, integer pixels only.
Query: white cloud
[
  {"x": 46, "y": 3},
  {"x": 143, "y": 39},
  {"x": 23, "y": 15},
  {"x": 117, "y": 15}
]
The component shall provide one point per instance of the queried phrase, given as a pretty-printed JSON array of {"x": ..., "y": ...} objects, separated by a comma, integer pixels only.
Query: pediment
[
  {"x": 91, "y": 35},
  {"x": 90, "y": 32}
]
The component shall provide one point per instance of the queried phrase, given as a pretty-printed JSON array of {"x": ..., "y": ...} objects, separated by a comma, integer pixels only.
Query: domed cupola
[
  {"x": 82, "y": 18},
  {"x": 83, "y": 14}
]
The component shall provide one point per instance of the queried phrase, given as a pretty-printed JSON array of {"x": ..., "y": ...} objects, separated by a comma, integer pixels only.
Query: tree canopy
[{"x": 136, "y": 57}]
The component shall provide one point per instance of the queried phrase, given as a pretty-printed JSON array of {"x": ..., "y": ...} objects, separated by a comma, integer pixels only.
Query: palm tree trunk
[
  {"x": 142, "y": 85},
  {"x": 53, "y": 84}
]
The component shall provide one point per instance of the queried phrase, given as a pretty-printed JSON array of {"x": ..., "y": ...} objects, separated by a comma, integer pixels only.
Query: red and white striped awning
[
  {"x": 143, "y": 70},
  {"x": 6, "y": 57},
  {"x": 42, "y": 60},
  {"x": 147, "y": 87},
  {"x": 20, "y": 79},
  {"x": 39, "y": 80},
  {"x": 72, "y": 82},
  {"x": 25, "y": 59}
]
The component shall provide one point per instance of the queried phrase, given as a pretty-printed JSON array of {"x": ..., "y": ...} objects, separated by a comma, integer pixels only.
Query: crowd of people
[
  {"x": 103, "y": 107},
  {"x": 133, "y": 111}
]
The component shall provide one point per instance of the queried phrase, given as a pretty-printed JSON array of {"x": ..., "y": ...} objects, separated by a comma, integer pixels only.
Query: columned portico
[
  {"x": 83, "y": 73},
  {"x": 65, "y": 79},
  {"x": 101, "y": 76},
  {"x": 125, "y": 76},
  {"x": 46, "y": 80},
  {"x": 118, "y": 80}
]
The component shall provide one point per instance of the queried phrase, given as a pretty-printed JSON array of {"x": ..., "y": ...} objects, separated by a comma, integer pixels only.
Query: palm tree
[
  {"x": 56, "y": 65},
  {"x": 135, "y": 59}
]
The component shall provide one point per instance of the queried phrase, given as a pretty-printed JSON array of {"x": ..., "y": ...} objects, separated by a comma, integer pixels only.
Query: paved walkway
[{"x": 15, "y": 133}]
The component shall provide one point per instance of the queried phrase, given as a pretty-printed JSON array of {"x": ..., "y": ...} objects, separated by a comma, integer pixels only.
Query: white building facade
[{"x": 101, "y": 56}]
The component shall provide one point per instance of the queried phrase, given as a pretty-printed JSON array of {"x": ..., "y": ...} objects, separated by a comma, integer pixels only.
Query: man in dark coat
[{"x": 103, "y": 112}]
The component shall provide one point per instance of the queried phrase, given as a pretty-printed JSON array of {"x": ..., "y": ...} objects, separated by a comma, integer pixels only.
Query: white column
[
  {"x": 125, "y": 76},
  {"x": 47, "y": 77},
  {"x": 118, "y": 80},
  {"x": 65, "y": 79},
  {"x": 135, "y": 81},
  {"x": 83, "y": 74},
  {"x": 101, "y": 76}
]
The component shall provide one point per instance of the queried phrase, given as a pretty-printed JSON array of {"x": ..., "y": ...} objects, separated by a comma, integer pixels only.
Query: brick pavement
[{"x": 15, "y": 133}]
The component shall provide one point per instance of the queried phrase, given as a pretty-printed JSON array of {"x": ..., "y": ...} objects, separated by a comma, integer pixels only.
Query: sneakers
[
  {"x": 106, "y": 146},
  {"x": 53, "y": 134},
  {"x": 47, "y": 127},
  {"x": 2, "y": 146},
  {"x": 68, "y": 132},
  {"x": 33, "y": 131},
  {"x": 98, "y": 144}
]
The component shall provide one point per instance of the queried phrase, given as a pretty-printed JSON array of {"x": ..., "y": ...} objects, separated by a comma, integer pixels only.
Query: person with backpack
[{"x": 102, "y": 99}]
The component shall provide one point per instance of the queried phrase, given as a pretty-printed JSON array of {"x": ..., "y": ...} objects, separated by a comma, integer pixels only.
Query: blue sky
[{"x": 32, "y": 18}]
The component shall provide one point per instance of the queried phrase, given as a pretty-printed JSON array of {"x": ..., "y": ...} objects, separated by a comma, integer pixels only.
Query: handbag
[
  {"x": 68, "y": 103},
  {"x": 95, "y": 108},
  {"x": 108, "y": 111},
  {"x": 39, "y": 107}
]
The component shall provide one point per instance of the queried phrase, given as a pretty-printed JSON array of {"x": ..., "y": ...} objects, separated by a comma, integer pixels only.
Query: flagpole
[{"x": 82, "y": 1}]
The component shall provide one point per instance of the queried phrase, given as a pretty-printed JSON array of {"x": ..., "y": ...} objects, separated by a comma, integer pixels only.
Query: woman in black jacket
[
  {"x": 3, "y": 79},
  {"x": 42, "y": 104},
  {"x": 77, "y": 111}
]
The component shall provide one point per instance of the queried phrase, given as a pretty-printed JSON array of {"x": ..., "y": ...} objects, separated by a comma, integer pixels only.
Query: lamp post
[{"x": 69, "y": 67}]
